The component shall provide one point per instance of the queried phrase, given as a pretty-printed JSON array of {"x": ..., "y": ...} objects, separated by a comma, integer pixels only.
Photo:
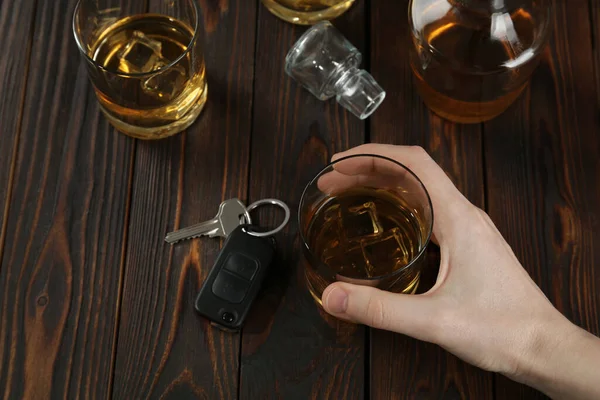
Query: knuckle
[
  {"x": 483, "y": 219},
  {"x": 483, "y": 215},
  {"x": 371, "y": 146},
  {"x": 420, "y": 152},
  {"x": 376, "y": 313}
]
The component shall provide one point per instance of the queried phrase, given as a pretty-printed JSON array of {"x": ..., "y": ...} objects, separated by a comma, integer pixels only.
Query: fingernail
[
  {"x": 337, "y": 301},
  {"x": 336, "y": 156}
]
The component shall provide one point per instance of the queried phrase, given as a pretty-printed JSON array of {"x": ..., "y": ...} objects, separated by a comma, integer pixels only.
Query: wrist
[
  {"x": 559, "y": 359},
  {"x": 551, "y": 337}
]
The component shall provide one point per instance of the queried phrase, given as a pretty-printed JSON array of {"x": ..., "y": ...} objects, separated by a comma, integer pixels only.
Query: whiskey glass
[
  {"x": 307, "y": 12},
  {"x": 147, "y": 69},
  {"x": 365, "y": 219}
]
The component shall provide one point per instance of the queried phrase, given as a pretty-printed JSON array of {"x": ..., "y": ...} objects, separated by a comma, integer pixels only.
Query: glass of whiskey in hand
[
  {"x": 367, "y": 220},
  {"x": 147, "y": 69}
]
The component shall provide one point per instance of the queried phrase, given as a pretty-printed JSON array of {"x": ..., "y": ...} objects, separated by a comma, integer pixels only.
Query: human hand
[{"x": 484, "y": 307}]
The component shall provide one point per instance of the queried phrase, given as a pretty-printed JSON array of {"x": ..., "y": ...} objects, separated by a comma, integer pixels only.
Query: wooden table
[{"x": 95, "y": 304}]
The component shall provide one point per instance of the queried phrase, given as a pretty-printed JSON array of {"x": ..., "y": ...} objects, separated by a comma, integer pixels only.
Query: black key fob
[{"x": 234, "y": 281}]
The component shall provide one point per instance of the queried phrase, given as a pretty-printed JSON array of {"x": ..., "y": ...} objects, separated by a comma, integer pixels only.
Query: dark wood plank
[
  {"x": 16, "y": 19},
  {"x": 165, "y": 349},
  {"x": 543, "y": 172},
  {"x": 402, "y": 367},
  {"x": 595, "y": 38},
  {"x": 61, "y": 269},
  {"x": 291, "y": 350}
]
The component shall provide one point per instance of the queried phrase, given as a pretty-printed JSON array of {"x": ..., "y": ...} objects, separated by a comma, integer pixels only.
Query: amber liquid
[
  {"x": 140, "y": 90},
  {"x": 362, "y": 236},
  {"x": 306, "y": 12},
  {"x": 467, "y": 73}
]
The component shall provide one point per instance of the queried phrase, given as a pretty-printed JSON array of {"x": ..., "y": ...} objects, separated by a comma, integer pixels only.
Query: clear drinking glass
[
  {"x": 325, "y": 63},
  {"x": 147, "y": 69},
  {"x": 307, "y": 12},
  {"x": 367, "y": 220}
]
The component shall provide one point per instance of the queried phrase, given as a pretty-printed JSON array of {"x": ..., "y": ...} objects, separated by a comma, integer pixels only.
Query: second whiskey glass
[
  {"x": 307, "y": 12},
  {"x": 147, "y": 69}
]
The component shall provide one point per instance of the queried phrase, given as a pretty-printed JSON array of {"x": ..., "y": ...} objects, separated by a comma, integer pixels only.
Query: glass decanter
[{"x": 473, "y": 58}]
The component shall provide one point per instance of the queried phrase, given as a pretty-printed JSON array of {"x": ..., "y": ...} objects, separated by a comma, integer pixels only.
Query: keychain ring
[
  {"x": 272, "y": 202},
  {"x": 245, "y": 218}
]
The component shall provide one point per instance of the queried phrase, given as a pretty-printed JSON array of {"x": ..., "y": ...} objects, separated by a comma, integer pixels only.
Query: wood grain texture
[
  {"x": 594, "y": 16},
  {"x": 93, "y": 304},
  {"x": 16, "y": 20},
  {"x": 402, "y": 367},
  {"x": 542, "y": 172},
  {"x": 290, "y": 349},
  {"x": 60, "y": 274},
  {"x": 165, "y": 349}
]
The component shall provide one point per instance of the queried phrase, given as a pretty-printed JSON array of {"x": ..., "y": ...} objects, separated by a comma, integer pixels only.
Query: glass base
[
  {"x": 301, "y": 17},
  {"x": 164, "y": 131},
  {"x": 411, "y": 288}
]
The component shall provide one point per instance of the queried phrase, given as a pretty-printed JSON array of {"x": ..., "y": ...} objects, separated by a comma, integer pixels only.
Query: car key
[
  {"x": 235, "y": 279},
  {"x": 227, "y": 219}
]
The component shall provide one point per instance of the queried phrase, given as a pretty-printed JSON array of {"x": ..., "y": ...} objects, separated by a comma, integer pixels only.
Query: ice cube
[
  {"x": 140, "y": 55},
  {"x": 335, "y": 261},
  {"x": 333, "y": 256},
  {"x": 361, "y": 222},
  {"x": 332, "y": 250},
  {"x": 167, "y": 84},
  {"x": 332, "y": 213},
  {"x": 360, "y": 268},
  {"x": 385, "y": 253},
  {"x": 349, "y": 262}
]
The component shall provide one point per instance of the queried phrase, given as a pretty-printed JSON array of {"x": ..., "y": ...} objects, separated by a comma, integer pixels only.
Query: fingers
[
  {"x": 334, "y": 182},
  {"x": 414, "y": 158},
  {"x": 407, "y": 314},
  {"x": 370, "y": 166},
  {"x": 449, "y": 204}
]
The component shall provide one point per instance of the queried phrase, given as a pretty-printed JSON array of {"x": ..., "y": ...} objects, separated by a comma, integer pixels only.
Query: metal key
[{"x": 227, "y": 219}]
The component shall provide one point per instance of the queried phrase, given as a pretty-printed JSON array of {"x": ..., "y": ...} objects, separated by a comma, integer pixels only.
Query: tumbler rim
[{"x": 83, "y": 51}]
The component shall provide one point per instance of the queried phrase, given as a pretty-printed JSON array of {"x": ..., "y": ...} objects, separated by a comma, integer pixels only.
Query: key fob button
[
  {"x": 241, "y": 265},
  {"x": 230, "y": 287}
]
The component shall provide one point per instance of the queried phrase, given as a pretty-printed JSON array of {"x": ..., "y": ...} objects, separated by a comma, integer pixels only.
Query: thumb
[{"x": 403, "y": 313}]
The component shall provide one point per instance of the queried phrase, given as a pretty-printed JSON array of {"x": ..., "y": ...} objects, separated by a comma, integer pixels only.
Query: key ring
[
  {"x": 273, "y": 202},
  {"x": 245, "y": 218}
]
